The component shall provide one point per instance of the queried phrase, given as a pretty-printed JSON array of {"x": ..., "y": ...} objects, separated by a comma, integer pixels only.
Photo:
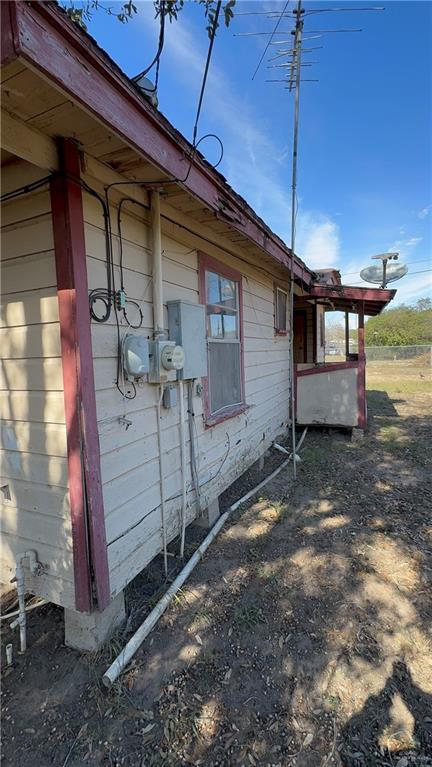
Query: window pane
[
  {"x": 221, "y": 323},
  {"x": 228, "y": 290},
  {"x": 213, "y": 288},
  {"x": 224, "y": 375},
  {"x": 221, "y": 291},
  {"x": 281, "y": 310}
]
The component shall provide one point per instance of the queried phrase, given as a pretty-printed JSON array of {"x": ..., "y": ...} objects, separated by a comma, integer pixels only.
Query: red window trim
[
  {"x": 276, "y": 287},
  {"x": 207, "y": 263}
]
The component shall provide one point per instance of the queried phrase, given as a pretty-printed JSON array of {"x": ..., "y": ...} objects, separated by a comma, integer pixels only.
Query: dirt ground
[{"x": 303, "y": 638}]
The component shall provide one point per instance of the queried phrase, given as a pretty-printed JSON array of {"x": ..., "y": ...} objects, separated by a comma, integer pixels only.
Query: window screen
[
  {"x": 223, "y": 336},
  {"x": 281, "y": 310}
]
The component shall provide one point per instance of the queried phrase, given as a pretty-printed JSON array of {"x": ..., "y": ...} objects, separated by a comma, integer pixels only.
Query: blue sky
[{"x": 364, "y": 182}]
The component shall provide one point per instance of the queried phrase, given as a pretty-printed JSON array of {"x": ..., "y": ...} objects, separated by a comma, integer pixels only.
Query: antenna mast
[{"x": 295, "y": 71}]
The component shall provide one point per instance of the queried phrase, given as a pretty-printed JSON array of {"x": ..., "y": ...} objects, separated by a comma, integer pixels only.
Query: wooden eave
[
  {"x": 351, "y": 299},
  {"x": 138, "y": 141}
]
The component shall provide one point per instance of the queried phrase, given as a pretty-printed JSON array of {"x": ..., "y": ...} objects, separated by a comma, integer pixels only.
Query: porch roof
[{"x": 348, "y": 298}]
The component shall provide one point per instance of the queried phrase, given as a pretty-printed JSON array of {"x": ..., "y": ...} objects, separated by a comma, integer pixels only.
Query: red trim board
[
  {"x": 89, "y": 78},
  {"x": 330, "y": 367},
  {"x": 207, "y": 263},
  {"x": 85, "y": 486},
  {"x": 361, "y": 378}
]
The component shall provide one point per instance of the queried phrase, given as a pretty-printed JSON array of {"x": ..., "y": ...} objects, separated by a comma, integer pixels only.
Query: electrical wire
[
  {"x": 195, "y": 143},
  {"x": 161, "y": 42},
  {"x": 27, "y": 188},
  {"x": 270, "y": 39}
]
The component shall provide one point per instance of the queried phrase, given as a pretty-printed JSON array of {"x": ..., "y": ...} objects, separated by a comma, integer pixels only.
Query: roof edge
[{"x": 125, "y": 112}]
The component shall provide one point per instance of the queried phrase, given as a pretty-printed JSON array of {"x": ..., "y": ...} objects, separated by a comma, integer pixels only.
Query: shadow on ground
[{"x": 302, "y": 639}]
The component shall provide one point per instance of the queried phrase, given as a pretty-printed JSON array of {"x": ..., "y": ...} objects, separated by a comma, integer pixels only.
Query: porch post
[
  {"x": 84, "y": 473},
  {"x": 361, "y": 370},
  {"x": 346, "y": 335}
]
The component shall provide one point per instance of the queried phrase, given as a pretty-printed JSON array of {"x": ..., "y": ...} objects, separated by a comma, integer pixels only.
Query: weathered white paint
[
  {"x": 34, "y": 499},
  {"x": 129, "y": 458},
  {"x": 328, "y": 398}
]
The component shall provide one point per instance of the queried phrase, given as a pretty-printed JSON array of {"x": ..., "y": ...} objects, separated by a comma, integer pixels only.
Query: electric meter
[
  {"x": 166, "y": 358},
  {"x": 172, "y": 357}
]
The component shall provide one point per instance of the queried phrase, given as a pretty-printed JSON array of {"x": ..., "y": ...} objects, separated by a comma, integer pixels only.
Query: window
[
  {"x": 281, "y": 303},
  {"x": 221, "y": 293}
]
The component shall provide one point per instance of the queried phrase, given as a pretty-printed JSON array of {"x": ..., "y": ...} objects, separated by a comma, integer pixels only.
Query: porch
[{"x": 326, "y": 392}]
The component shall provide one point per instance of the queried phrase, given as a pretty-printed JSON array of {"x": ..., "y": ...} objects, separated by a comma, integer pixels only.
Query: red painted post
[
  {"x": 347, "y": 336},
  {"x": 85, "y": 487},
  {"x": 361, "y": 381}
]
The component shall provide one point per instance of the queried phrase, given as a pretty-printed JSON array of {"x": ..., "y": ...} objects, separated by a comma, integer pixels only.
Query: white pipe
[
  {"x": 193, "y": 455},
  {"x": 143, "y": 631},
  {"x": 162, "y": 479},
  {"x": 299, "y": 444},
  {"x": 158, "y": 317},
  {"x": 183, "y": 467},
  {"x": 9, "y": 651},
  {"x": 19, "y": 579},
  {"x": 7, "y": 616}
]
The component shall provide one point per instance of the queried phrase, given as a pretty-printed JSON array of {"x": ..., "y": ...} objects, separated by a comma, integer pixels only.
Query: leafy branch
[{"x": 82, "y": 12}]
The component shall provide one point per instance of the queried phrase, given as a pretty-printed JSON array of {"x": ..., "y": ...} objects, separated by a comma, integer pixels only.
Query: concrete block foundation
[
  {"x": 89, "y": 631},
  {"x": 209, "y": 516}
]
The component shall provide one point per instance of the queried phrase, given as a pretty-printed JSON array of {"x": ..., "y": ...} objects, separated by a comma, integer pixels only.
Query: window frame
[
  {"x": 280, "y": 331},
  {"x": 208, "y": 264}
]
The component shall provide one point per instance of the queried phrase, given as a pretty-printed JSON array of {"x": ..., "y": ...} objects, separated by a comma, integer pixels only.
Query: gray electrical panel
[{"x": 187, "y": 327}]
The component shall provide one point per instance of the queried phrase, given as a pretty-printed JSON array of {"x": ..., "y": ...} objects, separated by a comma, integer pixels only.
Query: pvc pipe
[
  {"x": 143, "y": 631},
  {"x": 299, "y": 444},
  {"x": 193, "y": 457},
  {"x": 21, "y": 621},
  {"x": 162, "y": 479},
  {"x": 9, "y": 651},
  {"x": 183, "y": 467},
  {"x": 35, "y": 567},
  {"x": 158, "y": 317},
  {"x": 7, "y": 616}
]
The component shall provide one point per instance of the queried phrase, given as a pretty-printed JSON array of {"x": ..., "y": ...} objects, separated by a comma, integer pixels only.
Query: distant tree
[
  {"x": 335, "y": 333},
  {"x": 424, "y": 304},
  {"x": 401, "y": 326}
]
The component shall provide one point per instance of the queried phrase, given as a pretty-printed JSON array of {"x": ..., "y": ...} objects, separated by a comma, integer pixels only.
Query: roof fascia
[{"x": 79, "y": 69}]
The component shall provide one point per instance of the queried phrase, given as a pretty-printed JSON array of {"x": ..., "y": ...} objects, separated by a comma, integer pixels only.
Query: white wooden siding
[
  {"x": 129, "y": 458},
  {"x": 33, "y": 455}
]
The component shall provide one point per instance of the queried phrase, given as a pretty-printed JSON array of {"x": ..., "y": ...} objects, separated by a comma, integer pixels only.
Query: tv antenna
[
  {"x": 292, "y": 82},
  {"x": 384, "y": 274}
]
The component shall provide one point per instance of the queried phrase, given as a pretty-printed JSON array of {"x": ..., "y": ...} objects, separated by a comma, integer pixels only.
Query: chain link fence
[{"x": 382, "y": 353}]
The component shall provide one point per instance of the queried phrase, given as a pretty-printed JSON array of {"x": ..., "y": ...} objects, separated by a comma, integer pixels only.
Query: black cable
[
  {"x": 206, "y": 69},
  {"x": 195, "y": 143},
  {"x": 159, "y": 49},
  {"x": 26, "y": 188}
]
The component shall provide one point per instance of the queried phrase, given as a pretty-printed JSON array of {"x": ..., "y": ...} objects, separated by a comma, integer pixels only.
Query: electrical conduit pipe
[
  {"x": 143, "y": 631},
  {"x": 19, "y": 579},
  {"x": 158, "y": 317},
  {"x": 183, "y": 466}
]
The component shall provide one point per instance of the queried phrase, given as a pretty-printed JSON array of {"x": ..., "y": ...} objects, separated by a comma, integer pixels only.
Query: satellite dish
[{"x": 375, "y": 273}]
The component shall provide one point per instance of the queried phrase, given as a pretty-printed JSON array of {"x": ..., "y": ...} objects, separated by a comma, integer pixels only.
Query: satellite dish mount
[{"x": 385, "y": 274}]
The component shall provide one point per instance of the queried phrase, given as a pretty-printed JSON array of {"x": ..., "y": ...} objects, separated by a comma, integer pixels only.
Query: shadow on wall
[{"x": 35, "y": 499}]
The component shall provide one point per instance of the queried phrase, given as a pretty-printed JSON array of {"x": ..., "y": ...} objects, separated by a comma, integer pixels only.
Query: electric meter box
[
  {"x": 136, "y": 356},
  {"x": 187, "y": 327},
  {"x": 166, "y": 358}
]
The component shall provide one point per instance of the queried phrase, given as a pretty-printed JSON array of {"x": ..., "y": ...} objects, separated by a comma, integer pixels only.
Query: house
[{"x": 145, "y": 325}]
